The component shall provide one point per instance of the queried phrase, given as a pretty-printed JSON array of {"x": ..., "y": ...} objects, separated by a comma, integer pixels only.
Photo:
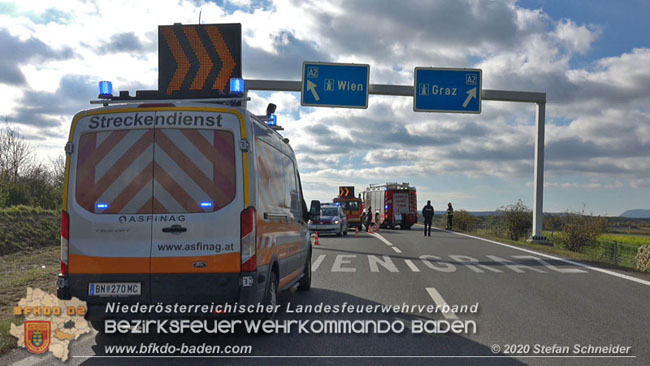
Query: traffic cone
[
  {"x": 316, "y": 239},
  {"x": 370, "y": 228},
  {"x": 357, "y": 232}
]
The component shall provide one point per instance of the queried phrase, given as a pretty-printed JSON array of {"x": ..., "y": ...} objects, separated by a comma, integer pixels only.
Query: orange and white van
[{"x": 188, "y": 203}]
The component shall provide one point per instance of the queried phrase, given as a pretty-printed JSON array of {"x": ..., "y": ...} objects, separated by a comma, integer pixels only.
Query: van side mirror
[{"x": 314, "y": 210}]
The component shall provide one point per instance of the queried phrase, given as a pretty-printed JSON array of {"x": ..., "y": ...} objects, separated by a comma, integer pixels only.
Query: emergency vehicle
[
  {"x": 393, "y": 204},
  {"x": 180, "y": 202},
  {"x": 350, "y": 204}
]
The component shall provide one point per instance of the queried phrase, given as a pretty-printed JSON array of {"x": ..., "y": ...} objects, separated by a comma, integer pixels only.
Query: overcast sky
[{"x": 592, "y": 58}]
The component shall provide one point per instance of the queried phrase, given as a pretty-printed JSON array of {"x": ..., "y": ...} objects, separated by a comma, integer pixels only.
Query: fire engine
[{"x": 393, "y": 204}]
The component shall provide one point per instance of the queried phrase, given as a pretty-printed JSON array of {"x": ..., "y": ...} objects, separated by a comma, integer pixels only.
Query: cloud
[
  {"x": 52, "y": 109},
  {"x": 125, "y": 42},
  {"x": 18, "y": 52}
]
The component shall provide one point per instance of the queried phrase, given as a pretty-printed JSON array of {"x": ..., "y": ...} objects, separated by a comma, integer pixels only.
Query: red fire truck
[{"x": 392, "y": 204}]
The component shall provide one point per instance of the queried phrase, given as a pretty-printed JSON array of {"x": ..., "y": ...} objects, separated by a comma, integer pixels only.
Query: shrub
[
  {"x": 463, "y": 220},
  {"x": 579, "y": 230},
  {"x": 643, "y": 258},
  {"x": 518, "y": 220}
]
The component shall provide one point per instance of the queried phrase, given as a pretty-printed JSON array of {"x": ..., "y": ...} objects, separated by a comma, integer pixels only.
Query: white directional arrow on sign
[
  {"x": 470, "y": 94},
  {"x": 312, "y": 88}
]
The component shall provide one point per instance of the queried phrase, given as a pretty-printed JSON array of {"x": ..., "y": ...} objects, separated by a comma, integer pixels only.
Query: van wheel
[
  {"x": 98, "y": 325},
  {"x": 271, "y": 296},
  {"x": 305, "y": 282}
]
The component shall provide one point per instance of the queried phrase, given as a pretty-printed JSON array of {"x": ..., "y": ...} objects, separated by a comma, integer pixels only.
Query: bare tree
[
  {"x": 15, "y": 154},
  {"x": 57, "y": 170}
]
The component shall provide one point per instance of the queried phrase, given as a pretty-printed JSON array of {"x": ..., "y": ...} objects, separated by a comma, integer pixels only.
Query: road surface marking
[
  {"x": 464, "y": 260},
  {"x": 425, "y": 258},
  {"x": 386, "y": 262},
  {"x": 396, "y": 249},
  {"x": 412, "y": 265},
  {"x": 383, "y": 239},
  {"x": 514, "y": 266},
  {"x": 435, "y": 296},
  {"x": 317, "y": 262},
  {"x": 339, "y": 261},
  {"x": 578, "y": 264},
  {"x": 550, "y": 266}
]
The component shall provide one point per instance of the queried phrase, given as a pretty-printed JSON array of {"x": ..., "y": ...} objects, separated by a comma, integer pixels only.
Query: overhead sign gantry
[
  {"x": 326, "y": 84},
  {"x": 439, "y": 89}
]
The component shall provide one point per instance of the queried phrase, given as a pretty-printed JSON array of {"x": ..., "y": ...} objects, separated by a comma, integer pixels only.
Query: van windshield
[
  {"x": 350, "y": 205},
  {"x": 158, "y": 171},
  {"x": 329, "y": 211}
]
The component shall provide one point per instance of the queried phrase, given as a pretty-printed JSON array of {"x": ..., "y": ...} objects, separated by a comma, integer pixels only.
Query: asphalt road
[{"x": 530, "y": 306}]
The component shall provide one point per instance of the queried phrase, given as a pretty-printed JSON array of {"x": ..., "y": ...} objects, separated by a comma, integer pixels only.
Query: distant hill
[{"x": 636, "y": 214}]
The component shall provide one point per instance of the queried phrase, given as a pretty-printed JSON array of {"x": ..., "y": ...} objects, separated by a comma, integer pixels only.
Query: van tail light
[
  {"x": 247, "y": 240},
  {"x": 65, "y": 244}
]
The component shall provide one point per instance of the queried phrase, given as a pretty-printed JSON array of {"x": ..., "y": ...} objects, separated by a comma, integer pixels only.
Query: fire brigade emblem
[{"x": 37, "y": 335}]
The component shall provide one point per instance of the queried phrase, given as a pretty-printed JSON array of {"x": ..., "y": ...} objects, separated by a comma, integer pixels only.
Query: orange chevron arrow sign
[
  {"x": 197, "y": 61},
  {"x": 346, "y": 191}
]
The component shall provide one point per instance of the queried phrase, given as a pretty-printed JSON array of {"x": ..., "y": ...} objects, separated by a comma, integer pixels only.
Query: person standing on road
[
  {"x": 450, "y": 216},
  {"x": 427, "y": 212},
  {"x": 368, "y": 217}
]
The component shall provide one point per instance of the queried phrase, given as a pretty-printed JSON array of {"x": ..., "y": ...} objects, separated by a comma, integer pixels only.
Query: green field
[{"x": 627, "y": 239}]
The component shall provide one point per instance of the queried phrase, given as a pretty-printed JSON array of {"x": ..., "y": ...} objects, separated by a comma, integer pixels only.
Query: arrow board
[{"x": 196, "y": 61}]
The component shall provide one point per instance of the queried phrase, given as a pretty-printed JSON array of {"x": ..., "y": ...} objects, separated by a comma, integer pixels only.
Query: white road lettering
[
  {"x": 339, "y": 261},
  {"x": 315, "y": 264},
  {"x": 448, "y": 267},
  {"x": 411, "y": 265},
  {"x": 387, "y": 263},
  {"x": 514, "y": 266},
  {"x": 550, "y": 266},
  {"x": 464, "y": 260}
]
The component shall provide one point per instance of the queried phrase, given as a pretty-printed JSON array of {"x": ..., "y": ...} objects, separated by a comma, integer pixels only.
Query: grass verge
[{"x": 560, "y": 252}]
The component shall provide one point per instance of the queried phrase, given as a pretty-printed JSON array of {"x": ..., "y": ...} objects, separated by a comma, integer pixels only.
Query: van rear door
[
  {"x": 198, "y": 195},
  {"x": 109, "y": 205}
]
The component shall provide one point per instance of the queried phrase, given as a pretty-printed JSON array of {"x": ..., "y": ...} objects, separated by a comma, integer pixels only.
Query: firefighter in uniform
[
  {"x": 427, "y": 212},
  {"x": 450, "y": 216},
  {"x": 369, "y": 217}
]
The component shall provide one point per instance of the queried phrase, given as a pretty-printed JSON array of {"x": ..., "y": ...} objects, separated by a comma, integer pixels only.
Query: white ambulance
[{"x": 189, "y": 203}]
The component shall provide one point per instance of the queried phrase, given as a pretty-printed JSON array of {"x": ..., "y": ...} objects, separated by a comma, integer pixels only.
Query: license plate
[{"x": 114, "y": 289}]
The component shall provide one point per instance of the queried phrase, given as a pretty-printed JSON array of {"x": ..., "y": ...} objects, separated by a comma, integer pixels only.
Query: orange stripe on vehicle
[
  {"x": 175, "y": 190},
  {"x": 87, "y": 197},
  {"x": 86, "y": 167},
  {"x": 136, "y": 185},
  {"x": 221, "y": 263},
  {"x": 81, "y": 264},
  {"x": 193, "y": 171}
]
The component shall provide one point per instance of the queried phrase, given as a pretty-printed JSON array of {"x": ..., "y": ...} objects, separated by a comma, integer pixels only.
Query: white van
[{"x": 180, "y": 203}]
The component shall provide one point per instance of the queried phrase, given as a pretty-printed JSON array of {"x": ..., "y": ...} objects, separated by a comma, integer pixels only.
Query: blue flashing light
[
  {"x": 386, "y": 207},
  {"x": 273, "y": 120},
  {"x": 338, "y": 203},
  {"x": 105, "y": 89},
  {"x": 206, "y": 204},
  {"x": 236, "y": 86},
  {"x": 101, "y": 206}
]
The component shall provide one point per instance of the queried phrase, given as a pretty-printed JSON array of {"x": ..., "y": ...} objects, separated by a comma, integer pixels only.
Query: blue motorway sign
[
  {"x": 438, "y": 89},
  {"x": 334, "y": 85}
]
